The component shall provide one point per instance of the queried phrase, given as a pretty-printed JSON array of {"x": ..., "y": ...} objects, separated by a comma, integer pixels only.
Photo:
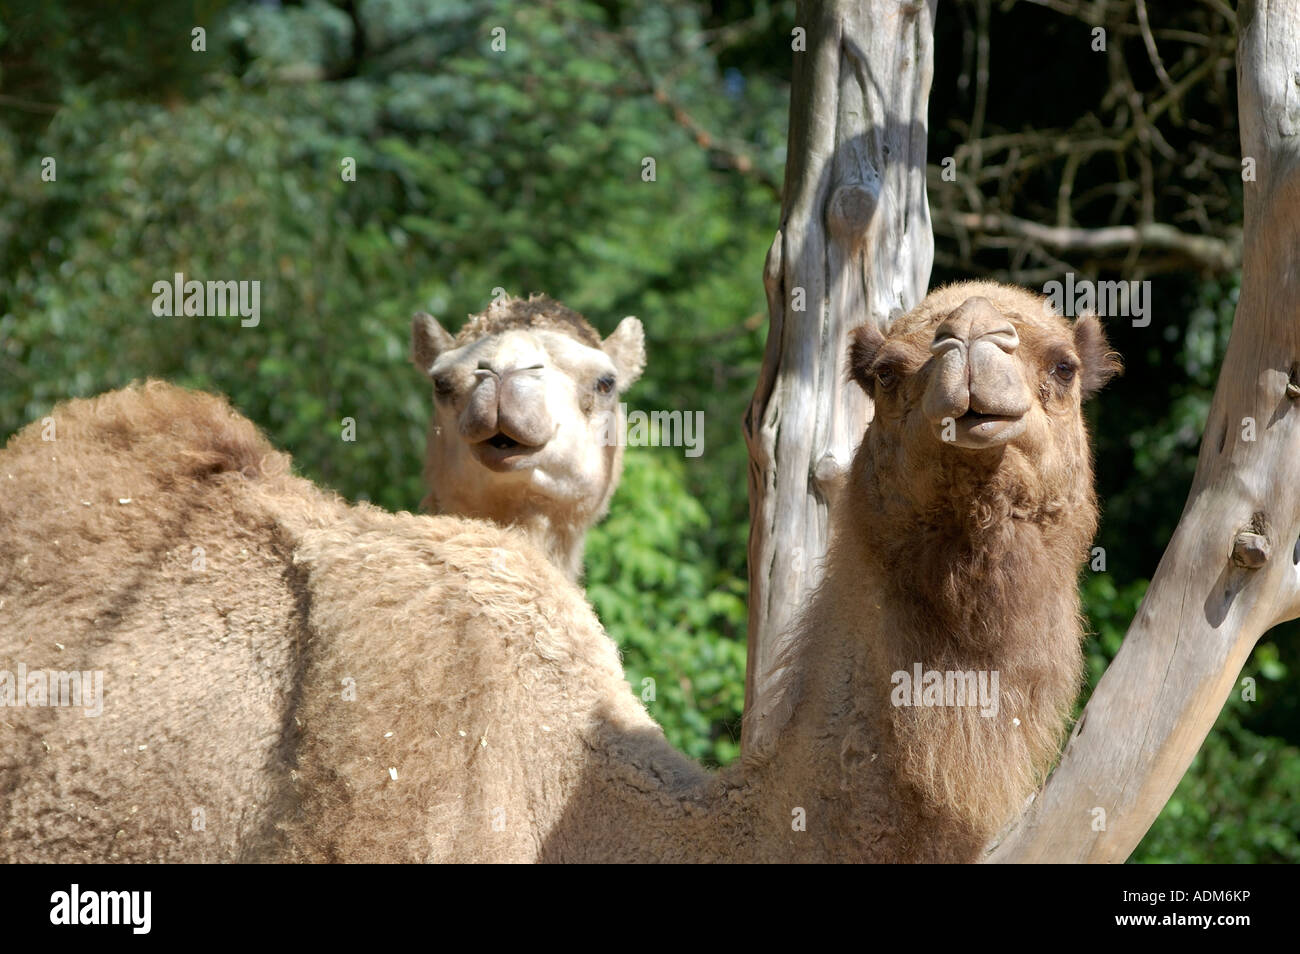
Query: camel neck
[
  {"x": 562, "y": 544},
  {"x": 825, "y": 790}
]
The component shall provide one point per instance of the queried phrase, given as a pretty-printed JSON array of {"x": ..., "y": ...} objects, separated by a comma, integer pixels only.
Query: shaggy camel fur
[
  {"x": 519, "y": 433},
  {"x": 340, "y": 683}
]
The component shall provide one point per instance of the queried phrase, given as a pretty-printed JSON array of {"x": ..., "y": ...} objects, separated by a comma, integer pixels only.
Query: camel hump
[{"x": 179, "y": 433}]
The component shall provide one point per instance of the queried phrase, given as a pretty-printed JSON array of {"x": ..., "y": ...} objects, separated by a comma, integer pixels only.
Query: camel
[
  {"x": 338, "y": 683},
  {"x": 519, "y": 432}
]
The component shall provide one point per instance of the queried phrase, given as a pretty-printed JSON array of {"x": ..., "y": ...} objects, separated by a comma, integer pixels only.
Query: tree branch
[{"x": 1204, "y": 251}]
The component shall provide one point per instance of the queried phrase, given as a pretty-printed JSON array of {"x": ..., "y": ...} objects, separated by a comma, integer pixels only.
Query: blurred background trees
[{"x": 522, "y": 168}]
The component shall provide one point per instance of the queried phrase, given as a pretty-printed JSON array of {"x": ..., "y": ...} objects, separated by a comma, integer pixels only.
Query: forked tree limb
[
  {"x": 855, "y": 245},
  {"x": 1232, "y": 568}
]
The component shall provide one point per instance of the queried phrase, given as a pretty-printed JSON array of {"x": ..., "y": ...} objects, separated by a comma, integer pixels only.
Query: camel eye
[
  {"x": 1064, "y": 371},
  {"x": 605, "y": 384},
  {"x": 886, "y": 377},
  {"x": 442, "y": 387}
]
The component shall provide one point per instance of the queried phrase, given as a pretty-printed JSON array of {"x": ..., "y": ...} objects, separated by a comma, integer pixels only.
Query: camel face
[
  {"x": 523, "y": 400},
  {"x": 979, "y": 375},
  {"x": 519, "y": 410}
]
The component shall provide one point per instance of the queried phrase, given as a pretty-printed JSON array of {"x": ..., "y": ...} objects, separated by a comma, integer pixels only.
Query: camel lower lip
[
  {"x": 983, "y": 430},
  {"x": 507, "y": 457}
]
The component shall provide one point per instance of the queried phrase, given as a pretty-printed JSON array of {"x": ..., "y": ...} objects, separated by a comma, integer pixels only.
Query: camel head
[
  {"x": 523, "y": 398},
  {"x": 981, "y": 384}
]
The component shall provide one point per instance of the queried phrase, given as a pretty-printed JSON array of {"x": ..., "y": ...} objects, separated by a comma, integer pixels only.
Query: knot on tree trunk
[
  {"x": 849, "y": 213},
  {"x": 1250, "y": 550},
  {"x": 1251, "y": 547}
]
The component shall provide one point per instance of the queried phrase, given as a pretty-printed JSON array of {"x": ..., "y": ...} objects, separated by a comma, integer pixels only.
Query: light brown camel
[
  {"x": 339, "y": 683},
  {"x": 519, "y": 433}
]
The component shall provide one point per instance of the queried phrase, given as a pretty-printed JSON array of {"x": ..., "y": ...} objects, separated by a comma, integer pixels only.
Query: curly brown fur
[{"x": 539, "y": 312}]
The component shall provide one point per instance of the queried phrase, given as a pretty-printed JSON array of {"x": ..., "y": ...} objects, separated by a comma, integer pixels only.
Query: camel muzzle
[
  {"x": 976, "y": 396},
  {"x": 506, "y": 419}
]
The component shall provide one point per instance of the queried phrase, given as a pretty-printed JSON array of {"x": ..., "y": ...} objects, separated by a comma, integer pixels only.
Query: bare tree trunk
[
  {"x": 1231, "y": 570},
  {"x": 854, "y": 245}
]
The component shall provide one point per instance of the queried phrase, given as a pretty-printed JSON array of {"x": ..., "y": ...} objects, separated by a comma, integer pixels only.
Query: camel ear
[
  {"x": 626, "y": 348},
  {"x": 1099, "y": 363},
  {"x": 428, "y": 340},
  {"x": 864, "y": 345}
]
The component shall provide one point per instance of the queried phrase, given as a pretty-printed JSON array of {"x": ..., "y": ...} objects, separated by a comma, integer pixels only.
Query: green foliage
[
  {"x": 1109, "y": 609},
  {"x": 678, "y": 619}
]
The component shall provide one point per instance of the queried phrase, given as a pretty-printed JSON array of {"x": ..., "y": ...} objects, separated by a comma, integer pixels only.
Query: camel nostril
[
  {"x": 945, "y": 341},
  {"x": 514, "y": 371},
  {"x": 1004, "y": 336}
]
